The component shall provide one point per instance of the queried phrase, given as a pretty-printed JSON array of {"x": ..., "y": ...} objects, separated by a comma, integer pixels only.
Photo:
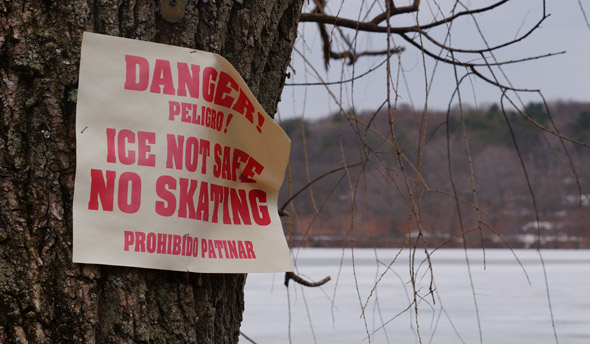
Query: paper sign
[{"x": 178, "y": 165}]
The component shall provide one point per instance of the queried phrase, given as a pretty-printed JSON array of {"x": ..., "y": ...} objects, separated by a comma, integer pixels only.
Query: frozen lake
[{"x": 511, "y": 299}]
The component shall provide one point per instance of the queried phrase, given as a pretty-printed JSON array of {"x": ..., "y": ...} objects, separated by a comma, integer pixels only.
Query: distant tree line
[{"x": 371, "y": 198}]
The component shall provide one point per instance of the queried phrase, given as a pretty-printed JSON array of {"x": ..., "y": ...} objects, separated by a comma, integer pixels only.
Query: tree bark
[{"x": 44, "y": 297}]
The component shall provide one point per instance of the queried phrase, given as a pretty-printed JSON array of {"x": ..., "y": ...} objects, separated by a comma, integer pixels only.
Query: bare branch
[
  {"x": 373, "y": 27},
  {"x": 324, "y": 83},
  {"x": 460, "y": 14},
  {"x": 473, "y": 65},
  {"x": 395, "y": 11},
  {"x": 478, "y": 51},
  {"x": 316, "y": 179},
  {"x": 292, "y": 276},
  {"x": 353, "y": 56}
]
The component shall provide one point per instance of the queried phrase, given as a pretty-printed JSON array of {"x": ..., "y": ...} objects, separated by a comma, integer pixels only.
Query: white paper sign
[{"x": 178, "y": 165}]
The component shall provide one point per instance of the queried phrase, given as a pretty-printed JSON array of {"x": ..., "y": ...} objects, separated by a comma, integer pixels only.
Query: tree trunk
[{"x": 44, "y": 297}]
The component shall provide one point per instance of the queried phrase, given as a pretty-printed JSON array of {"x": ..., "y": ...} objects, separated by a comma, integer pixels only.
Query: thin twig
[{"x": 292, "y": 276}]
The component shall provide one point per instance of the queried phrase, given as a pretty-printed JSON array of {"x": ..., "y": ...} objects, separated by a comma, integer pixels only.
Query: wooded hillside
[{"x": 369, "y": 206}]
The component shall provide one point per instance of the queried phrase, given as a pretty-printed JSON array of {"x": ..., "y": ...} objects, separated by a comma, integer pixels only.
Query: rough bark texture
[{"x": 44, "y": 297}]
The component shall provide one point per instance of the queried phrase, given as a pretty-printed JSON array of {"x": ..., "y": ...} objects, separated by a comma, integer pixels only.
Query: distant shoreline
[{"x": 527, "y": 241}]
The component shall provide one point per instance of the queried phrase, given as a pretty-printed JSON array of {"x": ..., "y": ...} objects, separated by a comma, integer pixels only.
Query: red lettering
[
  {"x": 239, "y": 157},
  {"x": 228, "y": 161},
  {"x": 129, "y": 238},
  {"x": 219, "y": 246},
  {"x": 225, "y": 86},
  {"x": 111, "y": 156},
  {"x": 252, "y": 168},
  {"x": 192, "y": 154},
  {"x": 173, "y": 109},
  {"x": 259, "y": 212},
  {"x": 166, "y": 208},
  {"x": 174, "y": 150},
  {"x": 201, "y": 120},
  {"x": 186, "y": 80},
  {"x": 226, "y": 169},
  {"x": 132, "y": 82},
  {"x": 194, "y": 147},
  {"x": 225, "y": 248},
  {"x": 139, "y": 242},
  {"x": 204, "y": 247},
  {"x": 101, "y": 189},
  {"x": 186, "y": 200},
  {"x": 241, "y": 251},
  {"x": 176, "y": 244},
  {"x": 162, "y": 78},
  {"x": 216, "y": 87},
  {"x": 161, "y": 243},
  {"x": 233, "y": 252},
  {"x": 203, "y": 206},
  {"x": 211, "y": 249},
  {"x": 244, "y": 106},
  {"x": 202, "y": 201},
  {"x": 144, "y": 138},
  {"x": 195, "y": 117},
  {"x": 217, "y": 196},
  {"x": 187, "y": 245},
  {"x": 209, "y": 76},
  {"x": 208, "y": 118},
  {"x": 212, "y": 119},
  {"x": 151, "y": 242},
  {"x": 250, "y": 250},
  {"x": 217, "y": 157},
  {"x": 195, "y": 247},
  {"x": 129, "y": 202},
  {"x": 186, "y": 108},
  {"x": 126, "y": 158},
  {"x": 219, "y": 121},
  {"x": 226, "y": 217},
  {"x": 169, "y": 244},
  {"x": 204, "y": 151},
  {"x": 239, "y": 206}
]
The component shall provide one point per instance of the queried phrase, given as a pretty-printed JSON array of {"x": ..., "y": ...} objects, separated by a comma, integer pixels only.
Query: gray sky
[{"x": 562, "y": 77}]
